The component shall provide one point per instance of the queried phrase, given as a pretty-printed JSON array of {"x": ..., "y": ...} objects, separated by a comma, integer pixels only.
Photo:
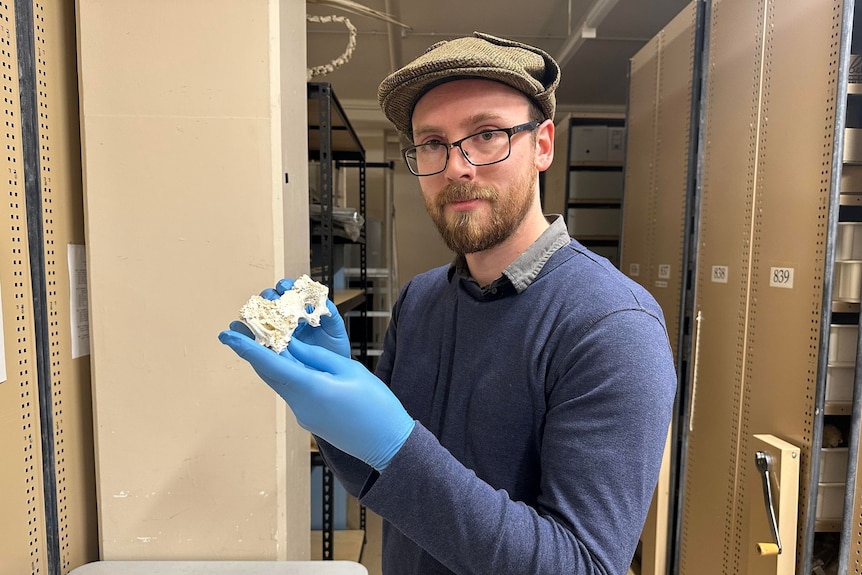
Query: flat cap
[{"x": 523, "y": 67}]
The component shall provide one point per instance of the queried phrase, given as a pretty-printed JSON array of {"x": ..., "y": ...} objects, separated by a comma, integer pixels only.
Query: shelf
[
  {"x": 346, "y": 544},
  {"x": 347, "y": 299},
  {"x": 854, "y": 88},
  {"x": 850, "y": 199},
  {"x": 606, "y": 240},
  {"x": 609, "y": 166},
  {"x": 344, "y": 144},
  {"x": 595, "y": 203},
  {"x": 837, "y": 408},
  {"x": 844, "y": 307},
  {"x": 827, "y": 525}
]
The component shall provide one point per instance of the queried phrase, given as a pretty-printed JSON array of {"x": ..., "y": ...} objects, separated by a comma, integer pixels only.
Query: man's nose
[{"x": 458, "y": 168}]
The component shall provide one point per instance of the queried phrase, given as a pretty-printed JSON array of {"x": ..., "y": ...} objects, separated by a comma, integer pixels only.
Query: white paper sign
[{"x": 79, "y": 310}]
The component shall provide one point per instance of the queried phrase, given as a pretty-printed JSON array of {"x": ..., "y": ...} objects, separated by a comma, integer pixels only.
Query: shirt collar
[{"x": 521, "y": 272}]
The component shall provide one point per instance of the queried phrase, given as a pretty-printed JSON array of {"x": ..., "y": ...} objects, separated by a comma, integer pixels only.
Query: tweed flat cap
[{"x": 523, "y": 67}]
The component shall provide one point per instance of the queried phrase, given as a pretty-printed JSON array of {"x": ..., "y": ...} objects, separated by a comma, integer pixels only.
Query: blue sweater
[{"x": 541, "y": 422}]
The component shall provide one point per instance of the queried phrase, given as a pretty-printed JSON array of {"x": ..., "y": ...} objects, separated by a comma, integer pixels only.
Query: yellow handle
[{"x": 767, "y": 549}]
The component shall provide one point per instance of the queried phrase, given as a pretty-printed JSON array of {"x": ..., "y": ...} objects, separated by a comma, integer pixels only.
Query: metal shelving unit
[{"x": 334, "y": 145}]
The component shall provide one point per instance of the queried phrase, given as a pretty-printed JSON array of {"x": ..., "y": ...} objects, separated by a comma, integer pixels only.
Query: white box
[
  {"x": 589, "y": 144},
  {"x": 842, "y": 343},
  {"x": 830, "y": 500},
  {"x": 594, "y": 222},
  {"x": 604, "y": 185},
  {"x": 848, "y": 245},
  {"x": 833, "y": 464},
  {"x": 847, "y": 281},
  {"x": 839, "y": 383},
  {"x": 616, "y": 144}
]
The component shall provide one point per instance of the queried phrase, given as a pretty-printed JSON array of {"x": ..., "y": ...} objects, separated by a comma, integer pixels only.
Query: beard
[{"x": 467, "y": 232}]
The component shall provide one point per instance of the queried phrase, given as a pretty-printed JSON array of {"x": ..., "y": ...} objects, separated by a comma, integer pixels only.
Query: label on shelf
[
  {"x": 634, "y": 270},
  {"x": 719, "y": 274},
  {"x": 781, "y": 278},
  {"x": 664, "y": 271}
]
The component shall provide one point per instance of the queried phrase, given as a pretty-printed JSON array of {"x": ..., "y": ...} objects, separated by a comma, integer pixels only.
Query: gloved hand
[
  {"x": 333, "y": 397},
  {"x": 330, "y": 334}
]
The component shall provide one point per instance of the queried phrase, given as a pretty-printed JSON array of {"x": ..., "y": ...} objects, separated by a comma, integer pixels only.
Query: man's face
[{"x": 476, "y": 208}]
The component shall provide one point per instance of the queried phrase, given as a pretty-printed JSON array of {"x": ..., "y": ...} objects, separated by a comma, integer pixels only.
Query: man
[{"x": 519, "y": 413}]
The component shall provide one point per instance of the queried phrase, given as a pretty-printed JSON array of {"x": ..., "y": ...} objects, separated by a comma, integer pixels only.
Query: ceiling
[{"x": 593, "y": 78}]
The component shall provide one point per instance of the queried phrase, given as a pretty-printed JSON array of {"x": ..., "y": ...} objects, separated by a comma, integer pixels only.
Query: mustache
[{"x": 463, "y": 191}]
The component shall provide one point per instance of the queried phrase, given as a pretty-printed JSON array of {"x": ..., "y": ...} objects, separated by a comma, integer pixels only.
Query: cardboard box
[
  {"x": 594, "y": 222},
  {"x": 833, "y": 464},
  {"x": 839, "y": 383},
  {"x": 604, "y": 185},
  {"x": 830, "y": 501}
]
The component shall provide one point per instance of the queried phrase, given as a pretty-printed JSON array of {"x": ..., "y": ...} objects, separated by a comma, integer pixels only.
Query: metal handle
[
  {"x": 695, "y": 366},
  {"x": 764, "y": 463}
]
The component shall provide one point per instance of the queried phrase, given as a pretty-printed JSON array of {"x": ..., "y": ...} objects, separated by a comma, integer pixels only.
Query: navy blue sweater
[{"x": 541, "y": 422}]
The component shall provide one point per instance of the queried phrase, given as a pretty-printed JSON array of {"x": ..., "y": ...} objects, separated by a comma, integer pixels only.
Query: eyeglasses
[{"x": 482, "y": 149}]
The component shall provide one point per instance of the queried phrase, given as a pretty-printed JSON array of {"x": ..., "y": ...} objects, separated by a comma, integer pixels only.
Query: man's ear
[{"x": 544, "y": 145}]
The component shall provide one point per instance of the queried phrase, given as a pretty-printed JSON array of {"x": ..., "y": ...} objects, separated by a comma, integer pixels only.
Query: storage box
[
  {"x": 839, "y": 382},
  {"x": 616, "y": 144},
  {"x": 853, "y": 145},
  {"x": 586, "y": 184},
  {"x": 851, "y": 179},
  {"x": 830, "y": 500},
  {"x": 848, "y": 245},
  {"x": 833, "y": 464},
  {"x": 594, "y": 222},
  {"x": 847, "y": 281},
  {"x": 589, "y": 144},
  {"x": 842, "y": 344}
]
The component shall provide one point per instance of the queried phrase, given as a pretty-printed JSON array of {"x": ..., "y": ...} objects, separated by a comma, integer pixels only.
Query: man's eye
[
  {"x": 488, "y": 136},
  {"x": 433, "y": 145}
]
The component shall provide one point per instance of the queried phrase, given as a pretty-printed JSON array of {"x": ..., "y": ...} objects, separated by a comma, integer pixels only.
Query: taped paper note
[{"x": 79, "y": 311}]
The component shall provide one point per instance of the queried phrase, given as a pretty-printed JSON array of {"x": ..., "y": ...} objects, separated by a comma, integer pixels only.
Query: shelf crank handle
[{"x": 764, "y": 463}]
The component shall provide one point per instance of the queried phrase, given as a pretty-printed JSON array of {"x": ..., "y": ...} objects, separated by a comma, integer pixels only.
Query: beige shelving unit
[
  {"x": 760, "y": 326},
  {"x": 46, "y": 439},
  {"x": 769, "y": 296}
]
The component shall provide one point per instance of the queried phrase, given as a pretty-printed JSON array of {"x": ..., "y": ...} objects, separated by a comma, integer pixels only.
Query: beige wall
[{"x": 190, "y": 119}]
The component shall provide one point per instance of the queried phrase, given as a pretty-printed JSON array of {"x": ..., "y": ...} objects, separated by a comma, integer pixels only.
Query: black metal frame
[{"x": 331, "y": 118}]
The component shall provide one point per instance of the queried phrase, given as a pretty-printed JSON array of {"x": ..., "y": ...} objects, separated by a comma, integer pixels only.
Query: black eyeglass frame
[{"x": 526, "y": 127}]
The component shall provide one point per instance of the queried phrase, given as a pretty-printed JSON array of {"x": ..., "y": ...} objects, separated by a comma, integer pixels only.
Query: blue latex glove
[
  {"x": 333, "y": 397},
  {"x": 330, "y": 334}
]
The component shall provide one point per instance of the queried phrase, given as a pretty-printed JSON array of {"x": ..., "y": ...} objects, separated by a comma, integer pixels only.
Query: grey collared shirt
[{"x": 521, "y": 272}]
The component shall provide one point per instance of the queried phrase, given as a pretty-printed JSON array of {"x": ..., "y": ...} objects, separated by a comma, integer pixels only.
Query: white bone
[{"x": 273, "y": 321}]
